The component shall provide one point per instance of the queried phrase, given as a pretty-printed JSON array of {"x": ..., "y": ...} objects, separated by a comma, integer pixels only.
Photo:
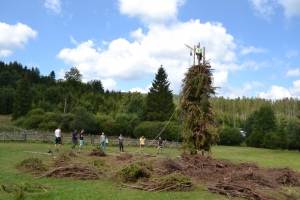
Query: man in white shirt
[{"x": 57, "y": 134}]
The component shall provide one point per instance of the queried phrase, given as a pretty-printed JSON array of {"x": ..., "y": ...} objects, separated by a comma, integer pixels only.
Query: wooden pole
[
  {"x": 203, "y": 55},
  {"x": 198, "y": 56},
  {"x": 194, "y": 55}
]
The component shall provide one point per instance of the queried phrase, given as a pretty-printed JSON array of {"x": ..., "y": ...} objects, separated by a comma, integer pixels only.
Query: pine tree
[
  {"x": 22, "y": 100},
  {"x": 198, "y": 128},
  {"x": 159, "y": 102}
]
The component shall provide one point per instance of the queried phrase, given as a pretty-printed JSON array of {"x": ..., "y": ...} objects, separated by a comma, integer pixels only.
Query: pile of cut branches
[
  {"x": 33, "y": 165},
  {"x": 97, "y": 152},
  {"x": 175, "y": 181},
  {"x": 74, "y": 171}
]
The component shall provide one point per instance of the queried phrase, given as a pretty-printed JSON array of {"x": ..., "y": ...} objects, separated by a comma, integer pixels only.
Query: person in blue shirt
[
  {"x": 74, "y": 139},
  {"x": 121, "y": 143}
]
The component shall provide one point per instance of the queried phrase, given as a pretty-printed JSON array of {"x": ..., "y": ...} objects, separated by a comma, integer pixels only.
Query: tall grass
[{"x": 11, "y": 153}]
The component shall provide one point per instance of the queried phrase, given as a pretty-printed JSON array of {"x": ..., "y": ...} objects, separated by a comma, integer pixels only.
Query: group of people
[
  {"x": 103, "y": 140},
  {"x": 159, "y": 147}
]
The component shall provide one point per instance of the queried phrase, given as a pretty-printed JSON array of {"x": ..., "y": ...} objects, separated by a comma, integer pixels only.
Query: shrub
[{"x": 230, "y": 136}]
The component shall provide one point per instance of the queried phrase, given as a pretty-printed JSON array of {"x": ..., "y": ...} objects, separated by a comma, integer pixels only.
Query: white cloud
[
  {"x": 61, "y": 74},
  {"x": 263, "y": 8},
  {"x": 293, "y": 72},
  {"x": 220, "y": 78},
  {"x": 53, "y": 5},
  {"x": 292, "y": 53},
  {"x": 160, "y": 45},
  {"x": 109, "y": 84},
  {"x": 253, "y": 65},
  {"x": 151, "y": 11},
  {"x": 291, "y": 7},
  {"x": 14, "y": 37},
  {"x": 73, "y": 40},
  {"x": 251, "y": 49},
  {"x": 276, "y": 92},
  {"x": 295, "y": 90},
  {"x": 137, "y": 89}
]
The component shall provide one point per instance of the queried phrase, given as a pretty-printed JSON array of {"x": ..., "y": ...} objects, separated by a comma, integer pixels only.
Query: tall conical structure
[{"x": 198, "y": 127}]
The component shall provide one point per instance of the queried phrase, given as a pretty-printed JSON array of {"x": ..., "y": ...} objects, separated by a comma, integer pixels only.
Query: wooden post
[
  {"x": 24, "y": 137},
  {"x": 198, "y": 56},
  {"x": 203, "y": 55},
  {"x": 194, "y": 55}
]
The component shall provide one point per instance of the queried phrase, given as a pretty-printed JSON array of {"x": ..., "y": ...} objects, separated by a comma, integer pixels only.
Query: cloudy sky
[{"x": 253, "y": 45}]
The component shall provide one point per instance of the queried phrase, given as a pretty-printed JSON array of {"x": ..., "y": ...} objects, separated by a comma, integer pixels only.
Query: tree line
[
  {"x": 42, "y": 103},
  {"x": 39, "y": 102}
]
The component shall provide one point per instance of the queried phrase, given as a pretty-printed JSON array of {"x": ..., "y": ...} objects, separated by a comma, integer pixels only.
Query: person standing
[
  {"x": 74, "y": 139},
  {"x": 81, "y": 139},
  {"x": 199, "y": 52},
  {"x": 160, "y": 145},
  {"x": 57, "y": 135},
  {"x": 142, "y": 142},
  {"x": 103, "y": 141},
  {"x": 121, "y": 143}
]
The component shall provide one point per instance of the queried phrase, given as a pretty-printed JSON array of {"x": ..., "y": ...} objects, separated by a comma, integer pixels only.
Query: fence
[{"x": 31, "y": 136}]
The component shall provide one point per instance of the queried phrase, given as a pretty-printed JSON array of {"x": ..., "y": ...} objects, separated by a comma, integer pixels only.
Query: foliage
[
  {"x": 33, "y": 118},
  {"x": 198, "y": 129},
  {"x": 159, "y": 102},
  {"x": 133, "y": 103},
  {"x": 96, "y": 86},
  {"x": 230, "y": 136},
  {"x": 135, "y": 171},
  {"x": 127, "y": 123},
  {"x": 7, "y": 100},
  {"x": 22, "y": 99},
  {"x": 152, "y": 129},
  {"x": 32, "y": 164},
  {"x": 83, "y": 120},
  {"x": 73, "y": 75},
  {"x": 263, "y": 122},
  {"x": 61, "y": 98}
]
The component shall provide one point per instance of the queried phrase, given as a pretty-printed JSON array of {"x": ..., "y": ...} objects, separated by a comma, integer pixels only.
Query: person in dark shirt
[
  {"x": 81, "y": 139},
  {"x": 121, "y": 143},
  {"x": 160, "y": 145},
  {"x": 74, "y": 139}
]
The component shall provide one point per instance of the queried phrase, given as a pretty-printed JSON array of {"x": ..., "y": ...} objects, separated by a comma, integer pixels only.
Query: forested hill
[{"x": 26, "y": 95}]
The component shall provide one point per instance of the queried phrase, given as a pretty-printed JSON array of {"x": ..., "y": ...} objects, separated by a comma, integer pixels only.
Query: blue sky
[{"x": 253, "y": 45}]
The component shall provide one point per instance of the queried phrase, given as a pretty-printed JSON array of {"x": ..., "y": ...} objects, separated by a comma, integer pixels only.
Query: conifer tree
[
  {"x": 22, "y": 100},
  {"x": 198, "y": 128},
  {"x": 159, "y": 102}
]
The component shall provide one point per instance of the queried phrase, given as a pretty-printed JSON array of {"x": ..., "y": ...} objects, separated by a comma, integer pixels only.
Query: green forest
[{"x": 41, "y": 103}]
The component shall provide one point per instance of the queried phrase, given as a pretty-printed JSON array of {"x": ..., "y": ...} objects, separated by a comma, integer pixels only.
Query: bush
[
  {"x": 153, "y": 129},
  {"x": 230, "y": 136}
]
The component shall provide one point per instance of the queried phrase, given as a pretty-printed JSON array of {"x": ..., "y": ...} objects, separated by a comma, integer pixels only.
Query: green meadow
[{"x": 35, "y": 187}]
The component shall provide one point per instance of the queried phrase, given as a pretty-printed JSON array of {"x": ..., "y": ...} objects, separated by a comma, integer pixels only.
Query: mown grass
[{"x": 11, "y": 153}]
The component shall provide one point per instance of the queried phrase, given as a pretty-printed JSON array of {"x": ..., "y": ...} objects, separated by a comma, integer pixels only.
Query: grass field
[{"x": 11, "y": 153}]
